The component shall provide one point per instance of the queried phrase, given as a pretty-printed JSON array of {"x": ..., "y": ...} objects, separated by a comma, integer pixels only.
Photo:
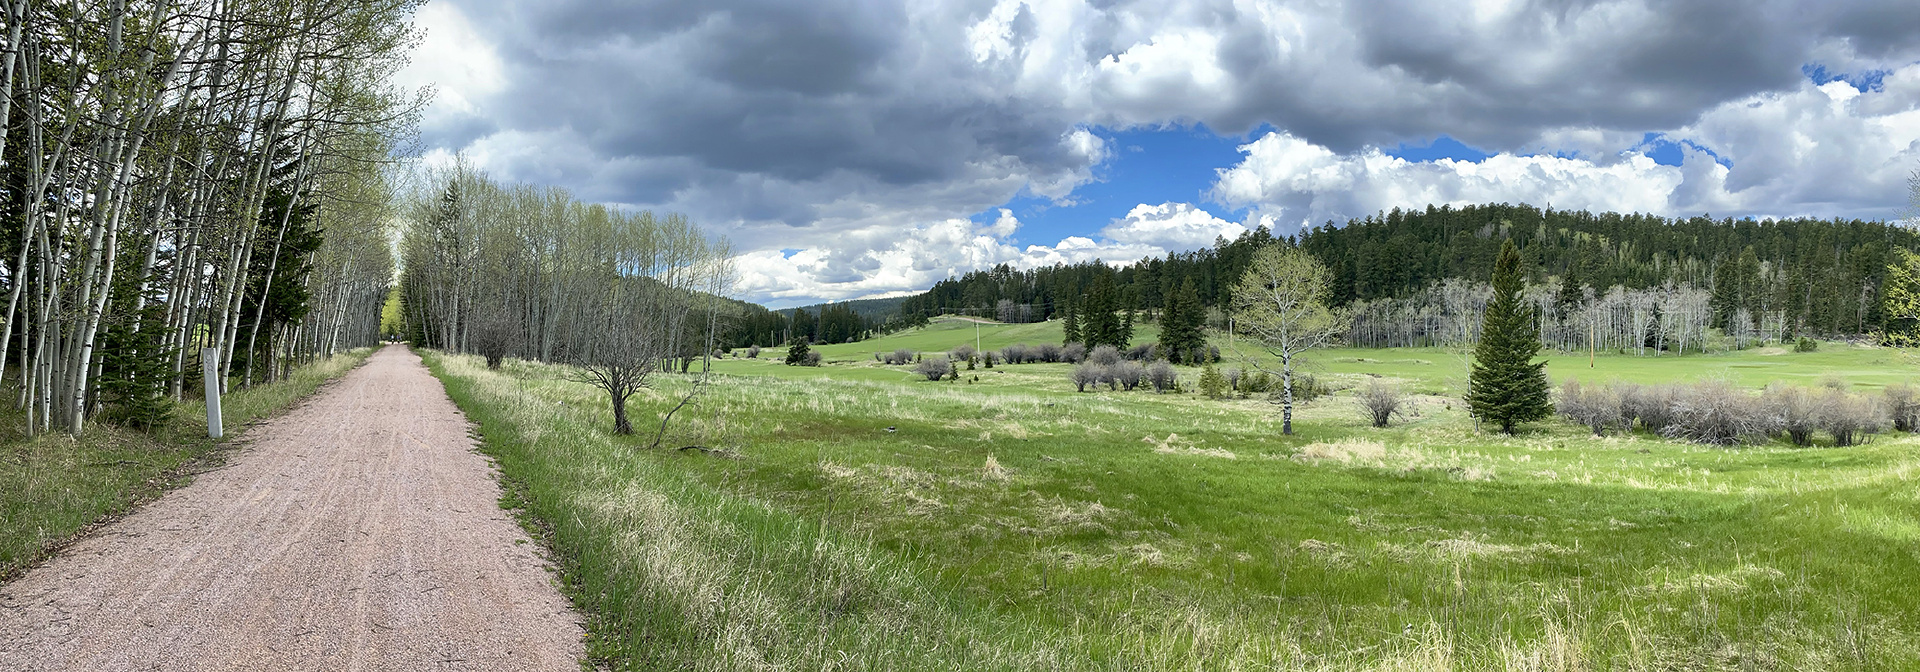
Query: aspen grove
[{"x": 186, "y": 175}]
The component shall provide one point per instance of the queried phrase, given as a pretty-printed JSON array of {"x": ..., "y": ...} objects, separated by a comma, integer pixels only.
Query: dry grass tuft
[
  {"x": 1345, "y": 451},
  {"x": 1171, "y": 446},
  {"x": 994, "y": 472}
]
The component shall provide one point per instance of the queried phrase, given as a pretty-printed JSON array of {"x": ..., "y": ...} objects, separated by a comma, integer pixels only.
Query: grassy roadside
[
  {"x": 53, "y": 487},
  {"x": 861, "y": 519},
  {"x": 676, "y": 574}
]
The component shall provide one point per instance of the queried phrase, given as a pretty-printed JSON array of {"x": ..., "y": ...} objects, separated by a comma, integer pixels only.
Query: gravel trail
[{"x": 357, "y": 532}]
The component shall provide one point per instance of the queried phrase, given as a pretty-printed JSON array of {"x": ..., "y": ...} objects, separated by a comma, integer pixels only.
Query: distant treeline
[{"x": 1804, "y": 276}]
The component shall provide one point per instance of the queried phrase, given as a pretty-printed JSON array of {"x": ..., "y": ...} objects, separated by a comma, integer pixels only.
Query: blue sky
[{"x": 856, "y": 148}]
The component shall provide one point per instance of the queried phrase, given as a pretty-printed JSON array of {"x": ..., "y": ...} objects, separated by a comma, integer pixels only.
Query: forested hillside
[{"x": 1777, "y": 277}]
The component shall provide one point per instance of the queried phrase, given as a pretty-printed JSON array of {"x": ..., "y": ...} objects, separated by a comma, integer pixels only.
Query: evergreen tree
[
  {"x": 1098, "y": 323},
  {"x": 1212, "y": 384},
  {"x": 1180, "y": 333},
  {"x": 797, "y": 353},
  {"x": 1071, "y": 324},
  {"x": 1508, "y": 387},
  {"x": 1570, "y": 296},
  {"x": 1726, "y": 293}
]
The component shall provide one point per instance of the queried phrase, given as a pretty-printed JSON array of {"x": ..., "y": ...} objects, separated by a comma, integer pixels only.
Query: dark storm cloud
[
  {"x": 776, "y": 106},
  {"x": 801, "y": 92}
]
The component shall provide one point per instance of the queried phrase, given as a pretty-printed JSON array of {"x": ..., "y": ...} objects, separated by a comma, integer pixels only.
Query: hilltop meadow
[{"x": 856, "y": 516}]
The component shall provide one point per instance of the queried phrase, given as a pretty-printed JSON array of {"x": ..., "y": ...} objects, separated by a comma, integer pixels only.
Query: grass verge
[{"x": 53, "y": 487}]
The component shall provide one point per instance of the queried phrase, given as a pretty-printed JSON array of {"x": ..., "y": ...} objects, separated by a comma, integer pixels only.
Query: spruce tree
[
  {"x": 1570, "y": 296},
  {"x": 1071, "y": 324},
  {"x": 1180, "y": 333},
  {"x": 1098, "y": 323},
  {"x": 1508, "y": 387}
]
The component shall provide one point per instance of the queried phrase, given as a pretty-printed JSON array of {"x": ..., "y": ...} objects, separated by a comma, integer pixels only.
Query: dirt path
[{"x": 359, "y": 532}]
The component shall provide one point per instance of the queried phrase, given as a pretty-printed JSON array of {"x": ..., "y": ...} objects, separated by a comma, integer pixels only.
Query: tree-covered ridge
[
  {"x": 1816, "y": 276},
  {"x": 1825, "y": 275}
]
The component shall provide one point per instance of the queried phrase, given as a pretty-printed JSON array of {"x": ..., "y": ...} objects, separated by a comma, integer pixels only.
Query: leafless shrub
[
  {"x": 1902, "y": 406},
  {"x": 1140, "y": 353},
  {"x": 1073, "y": 353},
  {"x": 1234, "y": 376},
  {"x": 1047, "y": 352},
  {"x": 1381, "y": 401},
  {"x": 1792, "y": 411},
  {"x": 1650, "y": 405},
  {"x": 1104, "y": 355},
  {"x": 1128, "y": 374},
  {"x": 899, "y": 357},
  {"x": 812, "y": 358},
  {"x": 934, "y": 368},
  {"x": 493, "y": 337},
  {"x": 753, "y": 352},
  {"x": 1016, "y": 354},
  {"x": 1715, "y": 413},
  {"x": 1849, "y": 418},
  {"x": 1162, "y": 376},
  {"x": 1833, "y": 381},
  {"x": 1599, "y": 408},
  {"x": 1085, "y": 374},
  {"x": 964, "y": 353}
]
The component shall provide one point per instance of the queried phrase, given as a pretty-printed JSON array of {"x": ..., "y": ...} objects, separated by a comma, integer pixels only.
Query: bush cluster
[
  {"x": 1117, "y": 375},
  {"x": 934, "y": 368},
  {"x": 1717, "y": 413},
  {"x": 900, "y": 357}
]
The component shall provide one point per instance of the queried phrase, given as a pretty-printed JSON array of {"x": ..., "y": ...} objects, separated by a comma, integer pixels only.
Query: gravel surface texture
[{"x": 359, "y": 531}]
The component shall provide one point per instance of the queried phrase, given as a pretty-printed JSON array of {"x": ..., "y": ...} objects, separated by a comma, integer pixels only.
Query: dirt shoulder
[{"x": 359, "y": 532}]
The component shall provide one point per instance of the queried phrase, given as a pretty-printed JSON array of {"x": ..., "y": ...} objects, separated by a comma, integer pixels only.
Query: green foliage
[
  {"x": 1212, "y": 384},
  {"x": 136, "y": 366},
  {"x": 393, "y": 321},
  {"x": 1817, "y": 268},
  {"x": 1901, "y": 304},
  {"x": 1806, "y": 345},
  {"x": 1181, "y": 335},
  {"x": 1100, "y": 324},
  {"x": 1070, "y": 325},
  {"x": 278, "y": 280},
  {"x": 875, "y": 529},
  {"x": 797, "y": 352},
  {"x": 1508, "y": 387}
]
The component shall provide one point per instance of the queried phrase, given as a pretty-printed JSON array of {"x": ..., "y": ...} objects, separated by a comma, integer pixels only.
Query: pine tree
[
  {"x": 1071, "y": 324},
  {"x": 1508, "y": 387},
  {"x": 1180, "y": 333},
  {"x": 1570, "y": 296},
  {"x": 1726, "y": 293},
  {"x": 1098, "y": 323}
]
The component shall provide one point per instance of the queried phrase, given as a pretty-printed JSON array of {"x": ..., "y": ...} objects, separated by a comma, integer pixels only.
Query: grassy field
[
  {"x": 53, "y": 486},
  {"x": 853, "y": 517}
]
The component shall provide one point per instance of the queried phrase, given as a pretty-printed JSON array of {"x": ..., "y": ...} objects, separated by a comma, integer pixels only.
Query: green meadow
[{"x": 855, "y": 516}]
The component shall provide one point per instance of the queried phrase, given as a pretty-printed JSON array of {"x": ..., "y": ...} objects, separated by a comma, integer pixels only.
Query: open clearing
[
  {"x": 853, "y": 516},
  {"x": 357, "y": 532}
]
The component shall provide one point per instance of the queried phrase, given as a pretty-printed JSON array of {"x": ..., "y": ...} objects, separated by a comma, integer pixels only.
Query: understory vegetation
[
  {"x": 857, "y": 516},
  {"x": 53, "y": 486}
]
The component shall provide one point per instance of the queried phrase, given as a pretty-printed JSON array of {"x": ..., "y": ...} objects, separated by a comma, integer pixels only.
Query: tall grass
[
  {"x": 1014, "y": 524},
  {"x": 52, "y": 486}
]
